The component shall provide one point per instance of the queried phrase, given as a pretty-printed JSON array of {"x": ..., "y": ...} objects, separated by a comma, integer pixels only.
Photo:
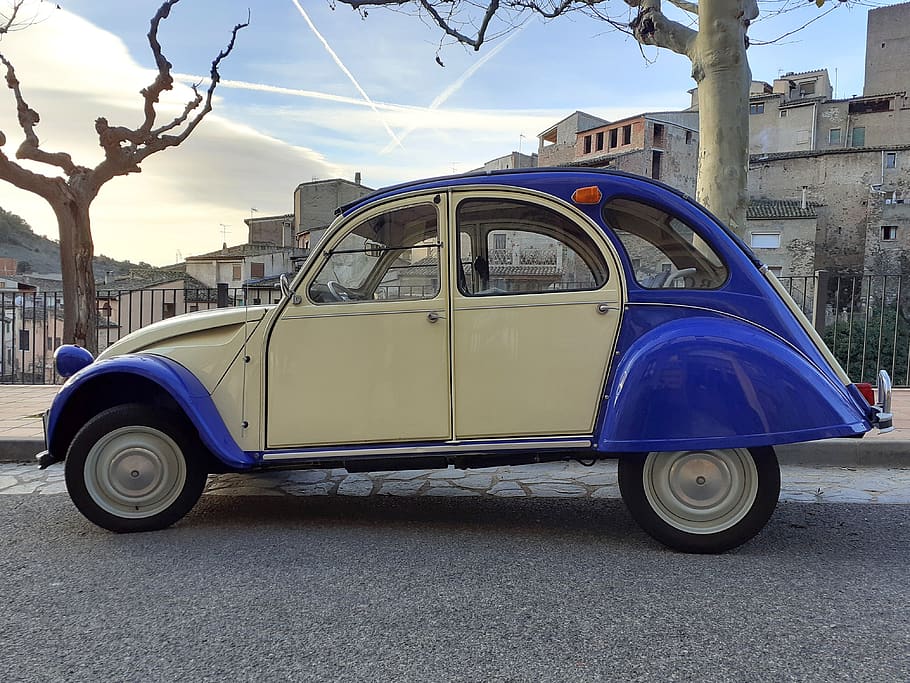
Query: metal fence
[
  {"x": 864, "y": 320},
  {"x": 32, "y": 323}
]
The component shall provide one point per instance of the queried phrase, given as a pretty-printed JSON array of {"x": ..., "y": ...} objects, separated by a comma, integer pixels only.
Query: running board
[{"x": 443, "y": 449}]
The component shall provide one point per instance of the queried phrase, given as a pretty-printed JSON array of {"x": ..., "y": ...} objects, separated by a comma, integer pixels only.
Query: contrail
[
  {"x": 454, "y": 87},
  {"x": 347, "y": 73},
  {"x": 296, "y": 92}
]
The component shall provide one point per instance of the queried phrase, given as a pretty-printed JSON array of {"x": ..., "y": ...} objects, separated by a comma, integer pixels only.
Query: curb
[
  {"x": 868, "y": 452},
  {"x": 20, "y": 450}
]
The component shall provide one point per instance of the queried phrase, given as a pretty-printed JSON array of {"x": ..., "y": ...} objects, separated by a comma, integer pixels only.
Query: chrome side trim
[{"x": 442, "y": 449}]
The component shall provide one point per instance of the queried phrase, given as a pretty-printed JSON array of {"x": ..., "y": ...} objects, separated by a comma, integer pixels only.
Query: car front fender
[
  {"x": 93, "y": 385},
  {"x": 715, "y": 382}
]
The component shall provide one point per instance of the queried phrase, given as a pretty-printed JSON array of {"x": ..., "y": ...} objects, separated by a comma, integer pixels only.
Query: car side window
[
  {"x": 515, "y": 247},
  {"x": 663, "y": 250},
  {"x": 390, "y": 256}
]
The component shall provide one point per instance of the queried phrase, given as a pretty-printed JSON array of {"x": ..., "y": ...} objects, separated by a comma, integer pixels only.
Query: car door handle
[
  {"x": 606, "y": 308},
  {"x": 433, "y": 316}
]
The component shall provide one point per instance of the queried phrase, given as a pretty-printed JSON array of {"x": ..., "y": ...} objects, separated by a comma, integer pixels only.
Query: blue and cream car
[{"x": 475, "y": 321}]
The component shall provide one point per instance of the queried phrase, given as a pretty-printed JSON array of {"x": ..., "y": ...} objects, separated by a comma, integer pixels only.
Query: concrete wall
[
  {"x": 888, "y": 50},
  {"x": 279, "y": 230},
  {"x": 782, "y": 127},
  {"x": 315, "y": 202},
  {"x": 840, "y": 183},
  {"x": 796, "y": 254}
]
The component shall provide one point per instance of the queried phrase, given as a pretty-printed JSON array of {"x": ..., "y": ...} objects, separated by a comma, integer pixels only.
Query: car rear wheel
[
  {"x": 701, "y": 501},
  {"x": 131, "y": 468}
]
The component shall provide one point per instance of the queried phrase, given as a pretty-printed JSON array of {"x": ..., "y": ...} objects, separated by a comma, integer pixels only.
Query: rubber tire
[
  {"x": 631, "y": 486},
  {"x": 127, "y": 415}
]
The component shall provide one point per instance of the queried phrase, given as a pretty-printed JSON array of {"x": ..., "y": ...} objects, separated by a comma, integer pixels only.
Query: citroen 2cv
[{"x": 476, "y": 321}]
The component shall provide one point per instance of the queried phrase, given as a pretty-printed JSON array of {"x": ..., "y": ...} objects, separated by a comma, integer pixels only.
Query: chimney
[
  {"x": 803, "y": 201},
  {"x": 357, "y": 178},
  {"x": 224, "y": 246}
]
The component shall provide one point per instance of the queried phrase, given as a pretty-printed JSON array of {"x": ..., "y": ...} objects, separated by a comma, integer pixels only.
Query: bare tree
[
  {"x": 715, "y": 42},
  {"x": 71, "y": 195}
]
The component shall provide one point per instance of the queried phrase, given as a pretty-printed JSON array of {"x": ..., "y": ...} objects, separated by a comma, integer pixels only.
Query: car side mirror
[{"x": 286, "y": 289}]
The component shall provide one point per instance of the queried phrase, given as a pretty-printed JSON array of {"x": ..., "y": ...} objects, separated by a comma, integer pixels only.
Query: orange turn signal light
[{"x": 587, "y": 195}]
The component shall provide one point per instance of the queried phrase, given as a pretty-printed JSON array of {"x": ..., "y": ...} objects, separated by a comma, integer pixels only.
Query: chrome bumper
[{"x": 882, "y": 417}]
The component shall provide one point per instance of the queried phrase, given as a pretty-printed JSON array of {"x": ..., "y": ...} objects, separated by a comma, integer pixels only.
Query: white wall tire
[
  {"x": 132, "y": 468},
  {"x": 702, "y": 501}
]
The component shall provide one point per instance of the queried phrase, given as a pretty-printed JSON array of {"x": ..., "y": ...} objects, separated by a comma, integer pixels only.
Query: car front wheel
[
  {"x": 132, "y": 468},
  {"x": 701, "y": 501}
]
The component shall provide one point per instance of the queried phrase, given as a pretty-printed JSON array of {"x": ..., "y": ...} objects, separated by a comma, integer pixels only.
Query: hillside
[{"x": 37, "y": 254}]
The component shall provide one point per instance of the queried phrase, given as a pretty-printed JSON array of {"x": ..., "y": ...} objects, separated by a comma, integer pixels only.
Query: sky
[{"x": 313, "y": 90}]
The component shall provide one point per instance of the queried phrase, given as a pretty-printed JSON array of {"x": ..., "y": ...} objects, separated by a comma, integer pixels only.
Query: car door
[
  {"x": 363, "y": 354},
  {"x": 536, "y": 307}
]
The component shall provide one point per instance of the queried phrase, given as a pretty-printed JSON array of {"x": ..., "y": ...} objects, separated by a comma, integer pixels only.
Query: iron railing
[
  {"x": 31, "y": 323},
  {"x": 864, "y": 320}
]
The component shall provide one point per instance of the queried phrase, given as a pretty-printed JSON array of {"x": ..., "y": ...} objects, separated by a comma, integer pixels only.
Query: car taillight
[{"x": 865, "y": 388}]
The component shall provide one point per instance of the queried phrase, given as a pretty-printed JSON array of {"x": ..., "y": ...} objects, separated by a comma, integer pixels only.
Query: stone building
[
  {"x": 315, "y": 203},
  {"x": 662, "y": 145},
  {"x": 783, "y": 235},
  {"x": 556, "y": 145},
  {"x": 508, "y": 161}
]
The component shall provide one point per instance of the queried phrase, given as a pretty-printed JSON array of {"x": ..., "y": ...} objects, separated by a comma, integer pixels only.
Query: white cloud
[{"x": 72, "y": 72}]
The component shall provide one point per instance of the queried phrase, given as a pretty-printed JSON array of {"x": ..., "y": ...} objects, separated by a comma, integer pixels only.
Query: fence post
[
  {"x": 222, "y": 295},
  {"x": 820, "y": 301}
]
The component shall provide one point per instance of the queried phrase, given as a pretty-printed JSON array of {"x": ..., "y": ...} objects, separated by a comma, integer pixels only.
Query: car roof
[{"x": 513, "y": 176}]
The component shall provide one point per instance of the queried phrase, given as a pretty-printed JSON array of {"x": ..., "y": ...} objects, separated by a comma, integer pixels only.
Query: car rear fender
[
  {"x": 138, "y": 377},
  {"x": 714, "y": 382}
]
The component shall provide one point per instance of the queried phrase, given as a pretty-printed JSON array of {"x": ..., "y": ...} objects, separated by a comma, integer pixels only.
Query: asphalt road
[{"x": 448, "y": 589}]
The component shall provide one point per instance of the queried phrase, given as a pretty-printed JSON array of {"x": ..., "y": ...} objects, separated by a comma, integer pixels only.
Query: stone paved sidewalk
[{"x": 563, "y": 480}]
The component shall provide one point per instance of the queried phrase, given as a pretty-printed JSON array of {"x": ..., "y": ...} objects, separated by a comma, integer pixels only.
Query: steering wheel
[
  {"x": 678, "y": 275},
  {"x": 340, "y": 292}
]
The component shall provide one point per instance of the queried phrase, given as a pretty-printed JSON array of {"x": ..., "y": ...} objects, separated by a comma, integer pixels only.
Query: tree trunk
[
  {"x": 80, "y": 314},
  {"x": 721, "y": 70}
]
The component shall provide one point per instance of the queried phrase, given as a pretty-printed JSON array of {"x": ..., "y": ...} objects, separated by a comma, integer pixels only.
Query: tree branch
[
  {"x": 651, "y": 27},
  {"x": 690, "y": 7},
  {"x": 125, "y": 148},
  {"x": 28, "y": 119}
]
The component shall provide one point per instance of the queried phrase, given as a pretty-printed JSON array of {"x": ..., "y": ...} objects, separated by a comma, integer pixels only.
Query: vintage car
[{"x": 479, "y": 320}]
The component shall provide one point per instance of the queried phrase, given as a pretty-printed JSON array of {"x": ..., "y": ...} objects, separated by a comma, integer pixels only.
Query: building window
[
  {"x": 23, "y": 340},
  {"x": 658, "y": 134},
  {"x": 599, "y": 141},
  {"x": 757, "y": 108},
  {"x": 765, "y": 240},
  {"x": 776, "y": 270},
  {"x": 105, "y": 309},
  {"x": 50, "y": 343},
  {"x": 614, "y": 136},
  {"x": 587, "y": 144},
  {"x": 834, "y": 136},
  {"x": 655, "y": 164},
  {"x": 236, "y": 273},
  {"x": 499, "y": 240},
  {"x": 782, "y": 113},
  {"x": 688, "y": 137},
  {"x": 802, "y": 137},
  {"x": 257, "y": 269},
  {"x": 858, "y": 138},
  {"x": 169, "y": 310},
  {"x": 627, "y": 134},
  {"x": 890, "y": 159},
  {"x": 807, "y": 88},
  {"x": 889, "y": 234}
]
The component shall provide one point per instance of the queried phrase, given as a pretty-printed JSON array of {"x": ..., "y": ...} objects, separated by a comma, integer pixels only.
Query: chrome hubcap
[
  {"x": 701, "y": 492},
  {"x": 135, "y": 472}
]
